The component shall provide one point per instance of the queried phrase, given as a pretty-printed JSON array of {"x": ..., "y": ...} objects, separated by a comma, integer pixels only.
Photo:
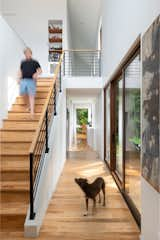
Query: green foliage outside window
[
  {"x": 135, "y": 115},
  {"x": 82, "y": 117}
]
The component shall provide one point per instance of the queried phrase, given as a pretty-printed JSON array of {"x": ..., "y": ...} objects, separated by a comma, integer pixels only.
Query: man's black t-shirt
[{"x": 29, "y": 67}]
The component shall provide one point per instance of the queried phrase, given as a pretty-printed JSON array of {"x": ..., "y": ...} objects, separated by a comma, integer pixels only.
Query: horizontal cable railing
[
  {"x": 82, "y": 63},
  {"x": 39, "y": 145}
]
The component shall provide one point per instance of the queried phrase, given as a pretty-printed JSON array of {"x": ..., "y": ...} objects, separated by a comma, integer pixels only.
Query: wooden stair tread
[
  {"x": 42, "y": 85},
  {"x": 17, "y": 130},
  {"x": 25, "y": 124},
  {"x": 9, "y": 125},
  {"x": 14, "y": 152},
  {"x": 24, "y": 105},
  {"x": 42, "y": 90},
  {"x": 10, "y": 146},
  {"x": 16, "y": 136},
  {"x": 13, "y": 208},
  {"x": 9, "y": 165},
  {"x": 38, "y": 101},
  {"x": 8, "y": 224},
  {"x": 20, "y": 108},
  {"x": 37, "y": 110},
  {"x": 16, "y": 196},
  {"x": 22, "y": 116},
  {"x": 39, "y": 95},
  {"x": 15, "y": 148},
  {"x": 29, "y": 120},
  {"x": 45, "y": 81}
]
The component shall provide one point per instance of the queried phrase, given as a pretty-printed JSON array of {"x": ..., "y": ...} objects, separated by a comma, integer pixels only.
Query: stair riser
[
  {"x": 31, "y": 126},
  {"x": 15, "y": 176},
  {"x": 6, "y": 158},
  {"x": 12, "y": 223}
]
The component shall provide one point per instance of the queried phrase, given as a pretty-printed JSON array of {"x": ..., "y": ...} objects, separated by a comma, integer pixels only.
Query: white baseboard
[{"x": 141, "y": 237}]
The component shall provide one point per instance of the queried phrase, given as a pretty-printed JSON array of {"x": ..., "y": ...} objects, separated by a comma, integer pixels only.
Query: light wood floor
[
  {"x": 64, "y": 219},
  {"x": 80, "y": 143}
]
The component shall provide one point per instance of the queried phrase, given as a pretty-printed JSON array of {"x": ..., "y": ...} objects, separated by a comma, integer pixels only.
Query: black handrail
[{"x": 40, "y": 144}]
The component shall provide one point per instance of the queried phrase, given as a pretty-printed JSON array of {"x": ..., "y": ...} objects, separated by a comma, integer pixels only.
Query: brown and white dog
[{"x": 91, "y": 190}]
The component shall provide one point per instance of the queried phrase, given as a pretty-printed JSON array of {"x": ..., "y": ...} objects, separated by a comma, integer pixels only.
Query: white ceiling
[
  {"x": 84, "y": 18},
  {"x": 82, "y": 96},
  {"x": 85, "y": 93}
]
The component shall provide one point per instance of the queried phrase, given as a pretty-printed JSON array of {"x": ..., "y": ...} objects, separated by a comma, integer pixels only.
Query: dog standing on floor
[{"x": 92, "y": 190}]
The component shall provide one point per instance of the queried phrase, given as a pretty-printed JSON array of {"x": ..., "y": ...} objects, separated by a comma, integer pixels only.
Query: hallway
[{"x": 65, "y": 220}]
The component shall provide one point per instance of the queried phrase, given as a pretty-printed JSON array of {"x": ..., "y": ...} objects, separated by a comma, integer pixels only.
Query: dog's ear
[{"x": 76, "y": 180}]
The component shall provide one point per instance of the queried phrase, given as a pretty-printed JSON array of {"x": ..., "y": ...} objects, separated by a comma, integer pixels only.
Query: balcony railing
[{"x": 82, "y": 63}]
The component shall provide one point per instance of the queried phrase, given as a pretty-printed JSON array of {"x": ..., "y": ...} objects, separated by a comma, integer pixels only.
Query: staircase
[{"x": 16, "y": 137}]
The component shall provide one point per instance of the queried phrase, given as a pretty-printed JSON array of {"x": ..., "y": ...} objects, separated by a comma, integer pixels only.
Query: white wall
[
  {"x": 99, "y": 125},
  {"x": 30, "y": 20},
  {"x": 0, "y": 7},
  {"x": 11, "y": 48},
  {"x": 69, "y": 37},
  {"x": 84, "y": 17},
  {"x": 83, "y": 82},
  {"x": 122, "y": 22},
  {"x": 98, "y": 44},
  {"x": 150, "y": 212}
]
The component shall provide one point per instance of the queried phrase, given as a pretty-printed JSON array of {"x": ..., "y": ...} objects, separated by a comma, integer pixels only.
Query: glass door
[
  {"x": 132, "y": 132},
  {"x": 122, "y": 131},
  {"x": 107, "y": 125},
  {"x": 119, "y": 128}
]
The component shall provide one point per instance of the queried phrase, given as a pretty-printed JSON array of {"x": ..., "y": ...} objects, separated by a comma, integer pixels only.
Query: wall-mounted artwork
[{"x": 151, "y": 105}]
